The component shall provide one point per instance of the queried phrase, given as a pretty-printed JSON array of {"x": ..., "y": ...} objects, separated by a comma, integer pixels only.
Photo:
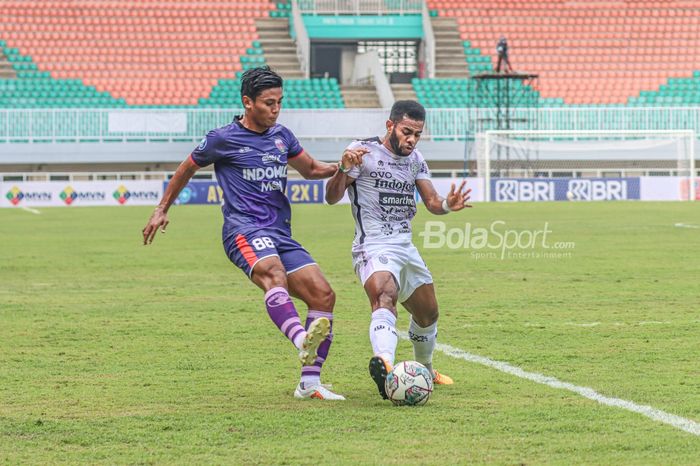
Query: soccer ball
[{"x": 409, "y": 384}]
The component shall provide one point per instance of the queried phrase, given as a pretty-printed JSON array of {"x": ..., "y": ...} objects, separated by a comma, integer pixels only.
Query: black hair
[
  {"x": 407, "y": 109},
  {"x": 256, "y": 80}
]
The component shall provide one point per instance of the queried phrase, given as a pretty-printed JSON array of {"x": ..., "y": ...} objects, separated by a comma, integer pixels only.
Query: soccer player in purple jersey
[
  {"x": 381, "y": 176},
  {"x": 250, "y": 158}
]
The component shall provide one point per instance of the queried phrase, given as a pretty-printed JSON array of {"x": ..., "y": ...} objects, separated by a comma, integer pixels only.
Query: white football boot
[{"x": 316, "y": 391}]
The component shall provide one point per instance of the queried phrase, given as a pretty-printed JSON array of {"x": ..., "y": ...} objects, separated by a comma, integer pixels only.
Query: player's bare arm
[
  {"x": 312, "y": 169},
  {"x": 159, "y": 218},
  {"x": 457, "y": 199},
  {"x": 336, "y": 186}
]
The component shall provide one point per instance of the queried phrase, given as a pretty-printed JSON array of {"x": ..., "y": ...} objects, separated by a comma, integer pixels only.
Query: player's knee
[
  {"x": 326, "y": 299},
  {"x": 426, "y": 317},
  {"x": 272, "y": 276},
  {"x": 386, "y": 299}
]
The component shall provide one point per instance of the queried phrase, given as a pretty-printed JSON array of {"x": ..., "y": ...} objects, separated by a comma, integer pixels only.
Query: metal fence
[
  {"x": 67, "y": 125},
  {"x": 360, "y": 7}
]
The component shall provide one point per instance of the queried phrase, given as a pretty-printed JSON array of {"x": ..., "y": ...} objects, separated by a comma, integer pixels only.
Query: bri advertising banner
[
  {"x": 564, "y": 189},
  {"x": 209, "y": 192},
  {"x": 79, "y": 193}
]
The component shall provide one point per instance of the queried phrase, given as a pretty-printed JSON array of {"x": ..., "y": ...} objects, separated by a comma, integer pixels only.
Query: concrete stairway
[
  {"x": 403, "y": 92},
  {"x": 449, "y": 52},
  {"x": 360, "y": 96},
  {"x": 278, "y": 47},
  {"x": 6, "y": 70}
]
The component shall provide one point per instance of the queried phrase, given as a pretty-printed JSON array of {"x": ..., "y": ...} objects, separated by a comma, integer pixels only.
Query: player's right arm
[
  {"x": 338, "y": 183},
  {"x": 159, "y": 218}
]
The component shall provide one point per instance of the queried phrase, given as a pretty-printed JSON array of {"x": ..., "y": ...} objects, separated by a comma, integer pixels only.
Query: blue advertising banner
[
  {"x": 564, "y": 189},
  {"x": 209, "y": 192}
]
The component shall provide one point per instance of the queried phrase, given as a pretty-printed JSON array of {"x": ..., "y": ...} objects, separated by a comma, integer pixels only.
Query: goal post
[{"x": 586, "y": 154}]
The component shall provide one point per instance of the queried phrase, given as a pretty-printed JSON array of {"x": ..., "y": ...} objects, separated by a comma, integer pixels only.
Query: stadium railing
[
  {"x": 187, "y": 124},
  {"x": 360, "y": 7}
]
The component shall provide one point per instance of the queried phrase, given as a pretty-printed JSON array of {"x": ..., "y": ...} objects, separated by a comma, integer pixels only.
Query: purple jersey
[{"x": 251, "y": 169}]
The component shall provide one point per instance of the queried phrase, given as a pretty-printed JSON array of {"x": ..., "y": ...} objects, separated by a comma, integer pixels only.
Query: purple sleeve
[
  {"x": 209, "y": 150},
  {"x": 294, "y": 148}
]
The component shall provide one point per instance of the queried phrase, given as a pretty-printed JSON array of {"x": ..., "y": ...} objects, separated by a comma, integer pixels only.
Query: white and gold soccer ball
[{"x": 409, "y": 384}]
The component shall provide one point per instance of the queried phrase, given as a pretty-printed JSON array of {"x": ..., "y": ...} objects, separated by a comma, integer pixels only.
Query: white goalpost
[{"x": 585, "y": 155}]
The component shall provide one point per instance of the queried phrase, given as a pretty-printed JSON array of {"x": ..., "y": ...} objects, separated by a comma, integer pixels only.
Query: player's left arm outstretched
[
  {"x": 457, "y": 199},
  {"x": 310, "y": 168}
]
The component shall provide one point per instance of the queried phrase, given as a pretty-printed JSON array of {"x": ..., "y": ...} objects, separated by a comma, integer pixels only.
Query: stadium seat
[{"x": 600, "y": 47}]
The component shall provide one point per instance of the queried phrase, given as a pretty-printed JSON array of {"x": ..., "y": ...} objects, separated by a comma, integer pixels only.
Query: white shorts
[{"x": 402, "y": 260}]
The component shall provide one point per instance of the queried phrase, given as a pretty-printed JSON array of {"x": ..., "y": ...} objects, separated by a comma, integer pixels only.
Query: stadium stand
[
  {"x": 589, "y": 52},
  {"x": 151, "y": 53}
]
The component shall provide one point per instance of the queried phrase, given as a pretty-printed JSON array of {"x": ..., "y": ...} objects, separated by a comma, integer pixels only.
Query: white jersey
[{"x": 383, "y": 195}]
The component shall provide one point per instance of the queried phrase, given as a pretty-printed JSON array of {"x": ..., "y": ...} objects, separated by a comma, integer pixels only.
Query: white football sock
[
  {"x": 423, "y": 340},
  {"x": 382, "y": 334}
]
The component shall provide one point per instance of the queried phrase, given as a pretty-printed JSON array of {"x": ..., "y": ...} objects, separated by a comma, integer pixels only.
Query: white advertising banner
[
  {"x": 80, "y": 193},
  {"x": 147, "y": 122},
  {"x": 667, "y": 188}
]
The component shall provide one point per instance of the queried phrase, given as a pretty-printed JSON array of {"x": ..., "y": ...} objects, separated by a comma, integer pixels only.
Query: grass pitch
[{"x": 112, "y": 352}]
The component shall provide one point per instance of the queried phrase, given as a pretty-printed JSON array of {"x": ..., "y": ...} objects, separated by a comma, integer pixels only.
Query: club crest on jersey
[
  {"x": 415, "y": 168},
  {"x": 279, "y": 144},
  {"x": 202, "y": 144}
]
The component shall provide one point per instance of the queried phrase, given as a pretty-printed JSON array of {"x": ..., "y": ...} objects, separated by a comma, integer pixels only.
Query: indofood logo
[
  {"x": 14, "y": 195},
  {"x": 68, "y": 195},
  {"x": 122, "y": 194}
]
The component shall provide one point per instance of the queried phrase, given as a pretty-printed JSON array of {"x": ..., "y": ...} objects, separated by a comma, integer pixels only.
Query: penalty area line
[
  {"x": 678, "y": 422},
  {"x": 30, "y": 210}
]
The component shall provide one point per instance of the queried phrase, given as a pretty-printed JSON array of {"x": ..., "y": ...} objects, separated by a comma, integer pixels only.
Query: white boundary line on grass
[
  {"x": 678, "y": 422},
  {"x": 30, "y": 210},
  {"x": 685, "y": 225}
]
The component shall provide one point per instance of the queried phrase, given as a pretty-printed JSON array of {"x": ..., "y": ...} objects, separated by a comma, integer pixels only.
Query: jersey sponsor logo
[
  {"x": 396, "y": 185},
  {"x": 202, "y": 144},
  {"x": 273, "y": 185},
  {"x": 387, "y": 199},
  {"x": 387, "y": 229},
  {"x": 244, "y": 150},
  {"x": 267, "y": 157},
  {"x": 383, "y": 259},
  {"x": 381, "y": 174},
  {"x": 264, "y": 173}
]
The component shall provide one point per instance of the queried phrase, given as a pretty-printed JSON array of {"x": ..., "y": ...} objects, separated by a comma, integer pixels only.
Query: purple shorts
[{"x": 246, "y": 248}]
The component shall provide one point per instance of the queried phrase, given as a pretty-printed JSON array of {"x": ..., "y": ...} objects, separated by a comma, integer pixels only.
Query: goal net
[{"x": 585, "y": 156}]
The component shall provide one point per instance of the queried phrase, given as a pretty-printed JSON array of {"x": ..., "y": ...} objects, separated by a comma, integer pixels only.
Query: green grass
[{"x": 112, "y": 352}]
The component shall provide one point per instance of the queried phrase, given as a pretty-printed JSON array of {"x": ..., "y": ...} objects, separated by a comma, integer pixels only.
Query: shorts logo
[
  {"x": 279, "y": 144},
  {"x": 14, "y": 195},
  {"x": 202, "y": 144},
  {"x": 278, "y": 299},
  {"x": 382, "y": 258},
  {"x": 68, "y": 195}
]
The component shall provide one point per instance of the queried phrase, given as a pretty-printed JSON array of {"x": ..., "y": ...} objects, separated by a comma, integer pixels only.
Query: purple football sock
[
  {"x": 283, "y": 313},
  {"x": 311, "y": 375}
]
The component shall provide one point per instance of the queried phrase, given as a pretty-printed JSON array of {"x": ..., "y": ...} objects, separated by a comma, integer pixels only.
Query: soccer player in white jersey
[{"x": 381, "y": 175}]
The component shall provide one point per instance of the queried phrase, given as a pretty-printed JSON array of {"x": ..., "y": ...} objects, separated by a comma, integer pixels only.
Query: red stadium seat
[{"x": 586, "y": 45}]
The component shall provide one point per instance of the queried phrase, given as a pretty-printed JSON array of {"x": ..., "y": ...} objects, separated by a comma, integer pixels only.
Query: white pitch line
[
  {"x": 678, "y": 422},
  {"x": 685, "y": 225},
  {"x": 29, "y": 209}
]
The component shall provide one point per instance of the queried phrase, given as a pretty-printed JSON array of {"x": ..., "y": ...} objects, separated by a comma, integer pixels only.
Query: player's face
[
  {"x": 266, "y": 107},
  {"x": 404, "y": 135}
]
